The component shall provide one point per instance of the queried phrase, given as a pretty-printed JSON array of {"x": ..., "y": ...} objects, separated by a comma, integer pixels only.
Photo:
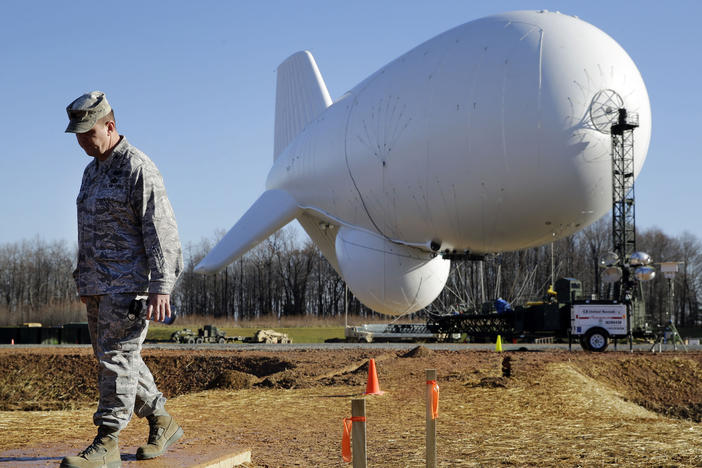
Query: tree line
[
  {"x": 286, "y": 276},
  {"x": 36, "y": 282}
]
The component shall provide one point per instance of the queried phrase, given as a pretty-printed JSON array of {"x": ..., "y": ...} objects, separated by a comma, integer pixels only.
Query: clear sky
[{"x": 193, "y": 86}]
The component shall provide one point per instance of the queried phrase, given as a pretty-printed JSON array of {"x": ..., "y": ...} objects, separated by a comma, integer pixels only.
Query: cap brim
[{"x": 79, "y": 126}]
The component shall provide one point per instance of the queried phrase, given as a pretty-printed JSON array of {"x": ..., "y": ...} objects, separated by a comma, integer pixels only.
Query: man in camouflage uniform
[{"x": 129, "y": 258}]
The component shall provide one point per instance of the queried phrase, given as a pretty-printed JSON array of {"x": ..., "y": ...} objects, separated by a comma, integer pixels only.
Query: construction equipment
[{"x": 268, "y": 336}]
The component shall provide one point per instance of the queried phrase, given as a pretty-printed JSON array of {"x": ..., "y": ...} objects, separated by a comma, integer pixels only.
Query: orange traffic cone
[{"x": 373, "y": 388}]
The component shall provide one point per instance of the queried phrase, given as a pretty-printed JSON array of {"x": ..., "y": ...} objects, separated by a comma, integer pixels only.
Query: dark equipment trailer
[
  {"x": 552, "y": 317},
  {"x": 545, "y": 319}
]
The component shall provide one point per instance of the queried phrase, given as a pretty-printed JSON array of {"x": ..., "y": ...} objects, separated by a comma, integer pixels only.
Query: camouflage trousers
[{"x": 125, "y": 383}]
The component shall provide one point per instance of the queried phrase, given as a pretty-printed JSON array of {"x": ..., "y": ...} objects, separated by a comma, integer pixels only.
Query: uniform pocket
[
  {"x": 122, "y": 327},
  {"x": 110, "y": 255},
  {"x": 117, "y": 233},
  {"x": 111, "y": 204}
]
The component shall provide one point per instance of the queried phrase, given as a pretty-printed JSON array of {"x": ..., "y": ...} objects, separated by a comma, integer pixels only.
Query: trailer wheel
[
  {"x": 596, "y": 339},
  {"x": 191, "y": 340},
  {"x": 198, "y": 340},
  {"x": 221, "y": 341}
]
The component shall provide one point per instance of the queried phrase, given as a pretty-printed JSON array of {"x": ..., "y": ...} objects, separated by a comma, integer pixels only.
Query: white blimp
[{"x": 491, "y": 137}]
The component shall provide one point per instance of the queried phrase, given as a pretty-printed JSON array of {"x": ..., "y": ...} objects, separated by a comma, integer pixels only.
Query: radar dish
[
  {"x": 645, "y": 273},
  {"x": 611, "y": 274},
  {"x": 604, "y": 109},
  {"x": 609, "y": 259},
  {"x": 640, "y": 259}
]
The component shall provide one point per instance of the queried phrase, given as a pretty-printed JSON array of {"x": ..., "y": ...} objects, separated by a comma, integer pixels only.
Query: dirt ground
[{"x": 511, "y": 409}]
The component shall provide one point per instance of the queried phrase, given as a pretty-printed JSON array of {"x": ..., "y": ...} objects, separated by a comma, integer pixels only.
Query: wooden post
[
  {"x": 431, "y": 423},
  {"x": 358, "y": 433}
]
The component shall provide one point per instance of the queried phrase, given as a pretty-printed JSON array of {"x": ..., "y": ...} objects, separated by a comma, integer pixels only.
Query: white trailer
[
  {"x": 595, "y": 322},
  {"x": 392, "y": 332}
]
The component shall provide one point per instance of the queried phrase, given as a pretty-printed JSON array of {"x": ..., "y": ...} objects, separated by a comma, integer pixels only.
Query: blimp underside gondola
[{"x": 491, "y": 137}]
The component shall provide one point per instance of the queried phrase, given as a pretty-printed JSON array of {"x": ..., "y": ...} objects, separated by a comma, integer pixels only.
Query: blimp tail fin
[
  {"x": 273, "y": 210},
  {"x": 301, "y": 95},
  {"x": 323, "y": 235}
]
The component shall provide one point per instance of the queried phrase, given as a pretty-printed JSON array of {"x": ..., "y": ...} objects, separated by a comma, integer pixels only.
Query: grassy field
[
  {"x": 297, "y": 334},
  {"x": 300, "y": 329}
]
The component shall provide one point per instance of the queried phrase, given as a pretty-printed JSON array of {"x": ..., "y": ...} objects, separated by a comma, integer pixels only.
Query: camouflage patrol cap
[{"x": 86, "y": 110}]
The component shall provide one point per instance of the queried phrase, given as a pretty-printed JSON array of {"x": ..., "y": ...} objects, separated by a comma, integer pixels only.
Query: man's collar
[{"x": 119, "y": 149}]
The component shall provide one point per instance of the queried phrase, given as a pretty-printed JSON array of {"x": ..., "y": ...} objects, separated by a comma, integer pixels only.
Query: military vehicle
[{"x": 206, "y": 334}]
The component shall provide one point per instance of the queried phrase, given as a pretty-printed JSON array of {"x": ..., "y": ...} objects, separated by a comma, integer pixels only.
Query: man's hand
[{"x": 159, "y": 307}]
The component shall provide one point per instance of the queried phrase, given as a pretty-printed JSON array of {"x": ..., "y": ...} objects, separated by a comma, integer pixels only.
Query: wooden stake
[
  {"x": 431, "y": 424},
  {"x": 358, "y": 433}
]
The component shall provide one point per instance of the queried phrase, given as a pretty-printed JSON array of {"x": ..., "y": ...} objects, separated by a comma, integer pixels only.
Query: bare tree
[{"x": 288, "y": 276}]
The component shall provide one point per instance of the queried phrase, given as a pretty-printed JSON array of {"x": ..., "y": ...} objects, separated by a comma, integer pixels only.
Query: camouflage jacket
[{"x": 127, "y": 233}]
